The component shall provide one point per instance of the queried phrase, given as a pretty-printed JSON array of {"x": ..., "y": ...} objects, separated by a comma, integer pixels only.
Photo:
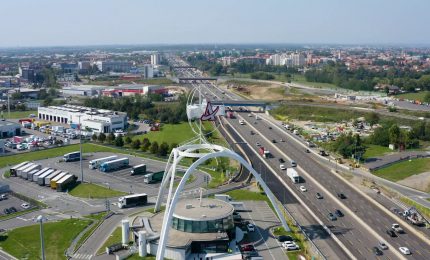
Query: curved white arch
[{"x": 170, "y": 207}]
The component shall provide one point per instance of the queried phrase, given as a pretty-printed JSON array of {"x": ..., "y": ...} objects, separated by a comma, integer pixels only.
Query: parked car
[
  {"x": 25, "y": 205},
  {"x": 285, "y": 238},
  {"x": 6, "y": 211}
]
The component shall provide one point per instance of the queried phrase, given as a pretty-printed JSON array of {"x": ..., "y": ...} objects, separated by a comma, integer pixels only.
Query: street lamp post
[
  {"x": 40, "y": 219},
  {"x": 80, "y": 150}
]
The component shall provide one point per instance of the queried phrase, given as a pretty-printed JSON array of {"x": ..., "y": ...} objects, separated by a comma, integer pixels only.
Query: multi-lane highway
[{"x": 364, "y": 223}]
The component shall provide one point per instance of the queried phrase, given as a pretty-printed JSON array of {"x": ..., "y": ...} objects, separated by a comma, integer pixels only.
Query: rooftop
[
  {"x": 210, "y": 209},
  {"x": 8, "y": 123}
]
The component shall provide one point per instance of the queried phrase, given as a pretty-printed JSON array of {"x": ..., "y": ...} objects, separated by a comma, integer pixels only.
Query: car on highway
[
  {"x": 293, "y": 164},
  {"x": 396, "y": 227},
  {"x": 281, "y": 160},
  {"x": 341, "y": 196},
  {"x": 284, "y": 238},
  {"x": 319, "y": 196},
  {"x": 303, "y": 188},
  {"x": 257, "y": 144},
  {"x": 331, "y": 216},
  {"x": 25, "y": 205},
  {"x": 282, "y": 140},
  {"x": 251, "y": 132},
  {"x": 270, "y": 127},
  {"x": 250, "y": 227},
  {"x": 382, "y": 245},
  {"x": 307, "y": 150},
  {"x": 338, "y": 213},
  {"x": 377, "y": 251},
  {"x": 250, "y": 115},
  {"x": 391, "y": 233},
  {"x": 323, "y": 153},
  {"x": 404, "y": 250},
  {"x": 274, "y": 141},
  {"x": 247, "y": 248},
  {"x": 282, "y": 166}
]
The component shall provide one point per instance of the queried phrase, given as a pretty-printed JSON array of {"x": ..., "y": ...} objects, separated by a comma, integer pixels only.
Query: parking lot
[{"x": 11, "y": 203}]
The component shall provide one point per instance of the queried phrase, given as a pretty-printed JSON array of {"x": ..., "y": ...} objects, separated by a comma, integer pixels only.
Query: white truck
[{"x": 293, "y": 175}]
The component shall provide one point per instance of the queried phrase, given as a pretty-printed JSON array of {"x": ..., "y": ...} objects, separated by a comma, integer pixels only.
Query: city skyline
[{"x": 52, "y": 23}]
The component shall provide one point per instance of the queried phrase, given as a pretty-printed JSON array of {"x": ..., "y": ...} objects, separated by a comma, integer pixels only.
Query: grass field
[
  {"x": 414, "y": 96},
  {"x": 18, "y": 114},
  {"x": 24, "y": 242},
  {"x": 114, "y": 238},
  {"x": 300, "y": 79},
  {"x": 93, "y": 191},
  {"x": 373, "y": 151},
  {"x": 404, "y": 169},
  {"x": 137, "y": 257}
]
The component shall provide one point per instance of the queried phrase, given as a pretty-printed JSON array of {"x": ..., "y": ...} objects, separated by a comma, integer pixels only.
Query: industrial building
[
  {"x": 133, "y": 89},
  {"x": 83, "y": 90},
  {"x": 205, "y": 226},
  {"x": 9, "y": 129},
  {"x": 96, "y": 120}
]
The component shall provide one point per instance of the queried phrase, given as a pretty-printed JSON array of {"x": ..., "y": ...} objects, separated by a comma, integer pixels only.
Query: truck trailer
[
  {"x": 25, "y": 172},
  {"x": 31, "y": 174},
  {"x": 293, "y": 175},
  {"x": 54, "y": 180},
  {"x": 95, "y": 164},
  {"x": 138, "y": 169},
  {"x": 47, "y": 181},
  {"x": 132, "y": 200},
  {"x": 66, "y": 182},
  {"x": 13, "y": 170},
  {"x": 153, "y": 177},
  {"x": 41, "y": 177},
  {"x": 21, "y": 169},
  {"x": 114, "y": 165}
]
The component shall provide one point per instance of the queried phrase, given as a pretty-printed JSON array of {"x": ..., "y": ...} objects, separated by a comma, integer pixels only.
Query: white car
[
  {"x": 404, "y": 250},
  {"x": 25, "y": 205},
  {"x": 289, "y": 245},
  {"x": 303, "y": 189},
  {"x": 250, "y": 227},
  {"x": 250, "y": 115},
  {"x": 282, "y": 166},
  {"x": 293, "y": 164}
]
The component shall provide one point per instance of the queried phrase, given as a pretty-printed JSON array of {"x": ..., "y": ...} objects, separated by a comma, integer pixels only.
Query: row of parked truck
[
  {"x": 56, "y": 179},
  {"x": 113, "y": 163}
]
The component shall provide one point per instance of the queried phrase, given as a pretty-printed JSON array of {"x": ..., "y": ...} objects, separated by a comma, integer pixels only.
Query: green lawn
[
  {"x": 18, "y": 114},
  {"x": 89, "y": 190},
  {"x": 24, "y": 242},
  {"x": 54, "y": 152},
  {"x": 414, "y": 96},
  {"x": 300, "y": 79},
  {"x": 373, "y": 151},
  {"x": 98, "y": 218},
  {"x": 114, "y": 238},
  {"x": 137, "y": 257},
  {"x": 402, "y": 170}
]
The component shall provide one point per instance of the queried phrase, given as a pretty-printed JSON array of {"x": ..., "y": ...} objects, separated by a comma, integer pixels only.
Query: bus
[
  {"x": 73, "y": 156},
  {"x": 95, "y": 164},
  {"x": 132, "y": 200}
]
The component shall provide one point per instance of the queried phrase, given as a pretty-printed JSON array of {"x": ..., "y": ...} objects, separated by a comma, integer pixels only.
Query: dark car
[
  {"x": 6, "y": 211},
  {"x": 331, "y": 216},
  {"x": 341, "y": 196},
  {"x": 281, "y": 160},
  {"x": 319, "y": 196},
  {"x": 247, "y": 248},
  {"x": 391, "y": 233},
  {"x": 338, "y": 213},
  {"x": 377, "y": 251},
  {"x": 307, "y": 151},
  {"x": 252, "y": 132},
  {"x": 285, "y": 238},
  {"x": 13, "y": 209},
  {"x": 323, "y": 153},
  {"x": 270, "y": 127}
]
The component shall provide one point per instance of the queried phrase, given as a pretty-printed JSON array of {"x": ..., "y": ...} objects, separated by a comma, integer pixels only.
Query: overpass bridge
[{"x": 240, "y": 103}]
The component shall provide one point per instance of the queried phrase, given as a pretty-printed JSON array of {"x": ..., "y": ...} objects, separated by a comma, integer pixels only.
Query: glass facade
[{"x": 203, "y": 226}]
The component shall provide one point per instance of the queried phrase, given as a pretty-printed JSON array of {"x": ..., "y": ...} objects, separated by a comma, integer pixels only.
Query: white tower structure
[{"x": 125, "y": 231}]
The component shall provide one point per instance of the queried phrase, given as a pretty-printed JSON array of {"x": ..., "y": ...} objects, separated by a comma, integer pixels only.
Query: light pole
[
  {"x": 40, "y": 219},
  {"x": 80, "y": 149}
]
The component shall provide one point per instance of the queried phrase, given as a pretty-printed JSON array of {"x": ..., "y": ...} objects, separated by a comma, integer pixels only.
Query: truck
[
  {"x": 223, "y": 197},
  {"x": 263, "y": 152},
  {"x": 53, "y": 183},
  {"x": 153, "y": 177},
  {"x": 31, "y": 174},
  {"x": 230, "y": 114},
  {"x": 293, "y": 175},
  {"x": 133, "y": 200},
  {"x": 73, "y": 156},
  {"x": 25, "y": 172},
  {"x": 38, "y": 174},
  {"x": 51, "y": 176},
  {"x": 64, "y": 183},
  {"x": 138, "y": 169},
  {"x": 14, "y": 169},
  {"x": 95, "y": 164},
  {"x": 414, "y": 217},
  {"x": 114, "y": 165}
]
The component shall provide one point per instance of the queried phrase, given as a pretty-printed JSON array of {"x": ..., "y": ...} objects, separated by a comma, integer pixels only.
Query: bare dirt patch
[{"x": 418, "y": 181}]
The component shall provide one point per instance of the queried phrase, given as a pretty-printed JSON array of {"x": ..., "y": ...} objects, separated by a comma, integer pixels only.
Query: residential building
[
  {"x": 114, "y": 66},
  {"x": 155, "y": 59},
  {"x": 148, "y": 71}
]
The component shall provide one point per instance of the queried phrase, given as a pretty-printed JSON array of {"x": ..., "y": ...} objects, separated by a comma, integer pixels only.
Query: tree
[
  {"x": 145, "y": 144},
  {"x": 102, "y": 138},
  {"x": 394, "y": 134},
  {"x": 372, "y": 118},
  {"x": 154, "y": 148},
  {"x": 427, "y": 97},
  {"x": 119, "y": 141},
  {"x": 110, "y": 138},
  {"x": 172, "y": 145},
  {"x": 94, "y": 137},
  {"x": 127, "y": 140},
  {"x": 135, "y": 144},
  {"x": 163, "y": 149}
]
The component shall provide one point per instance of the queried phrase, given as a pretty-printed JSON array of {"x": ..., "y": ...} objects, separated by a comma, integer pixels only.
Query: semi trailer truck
[
  {"x": 153, "y": 177},
  {"x": 114, "y": 165}
]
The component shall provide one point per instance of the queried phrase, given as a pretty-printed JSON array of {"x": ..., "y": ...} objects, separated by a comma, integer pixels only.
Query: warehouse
[
  {"x": 96, "y": 120},
  {"x": 9, "y": 129}
]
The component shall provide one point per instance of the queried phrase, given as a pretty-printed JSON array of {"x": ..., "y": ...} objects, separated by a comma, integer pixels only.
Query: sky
[{"x": 104, "y": 22}]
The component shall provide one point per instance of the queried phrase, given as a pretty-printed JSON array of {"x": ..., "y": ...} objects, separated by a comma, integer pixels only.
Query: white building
[
  {"x": 148, "y": 71},
  {"x": 298, "y": 59},
  {"x": 97, "y": 120},
  {"x": 83, "y": 90},
  {"x": 155, "y": 59}
]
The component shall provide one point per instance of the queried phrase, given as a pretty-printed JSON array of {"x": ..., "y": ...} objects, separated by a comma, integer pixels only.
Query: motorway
[{"x": 364, "y": 223}]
